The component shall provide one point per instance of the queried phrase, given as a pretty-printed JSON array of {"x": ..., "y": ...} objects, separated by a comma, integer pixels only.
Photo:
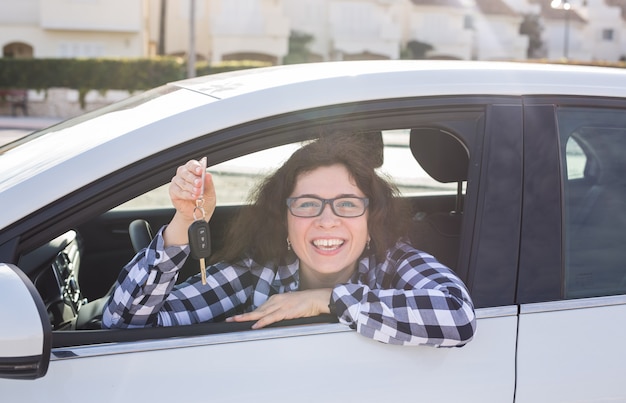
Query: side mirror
[{"x": 25, "y": 331}]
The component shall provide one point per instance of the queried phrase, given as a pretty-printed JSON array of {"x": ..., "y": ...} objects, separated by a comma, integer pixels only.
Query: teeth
[{"x": 328, "y": 243}]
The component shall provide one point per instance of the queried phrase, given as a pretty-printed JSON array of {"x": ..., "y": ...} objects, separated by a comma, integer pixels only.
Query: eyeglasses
[{"x": 310, "y": 206}]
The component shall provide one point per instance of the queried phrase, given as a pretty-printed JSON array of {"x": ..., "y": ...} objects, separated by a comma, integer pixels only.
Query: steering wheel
[{"x": 140, "y": 234}]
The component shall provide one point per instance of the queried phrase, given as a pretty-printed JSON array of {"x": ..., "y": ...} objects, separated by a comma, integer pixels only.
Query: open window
[{"x": 77, "y": 268}]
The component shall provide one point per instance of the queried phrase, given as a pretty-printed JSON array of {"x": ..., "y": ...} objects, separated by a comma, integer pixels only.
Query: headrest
[{"x": 440, "y": 154}]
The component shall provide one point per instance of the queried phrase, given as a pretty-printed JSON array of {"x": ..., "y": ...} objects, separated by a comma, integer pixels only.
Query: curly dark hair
[{"x": 260, "y": 229}]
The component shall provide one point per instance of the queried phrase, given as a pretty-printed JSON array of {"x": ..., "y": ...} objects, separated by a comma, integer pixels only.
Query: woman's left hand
[{"x": 292, "y": 305}]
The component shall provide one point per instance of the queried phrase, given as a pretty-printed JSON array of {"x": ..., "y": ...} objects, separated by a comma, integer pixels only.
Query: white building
[
  {"x": 497, "y": 28},
  {"x": 345, "y": 30},
  {"x": 224, "y": 30},
  {"x": 605, "y": 29},
  {"x": 340, "y": 29},
  {"x": 248, "y": 29},
  {"x": 73, "y": 28},
  {"x": 564, "y": 32},
  {"x": 446, "y": 25}
]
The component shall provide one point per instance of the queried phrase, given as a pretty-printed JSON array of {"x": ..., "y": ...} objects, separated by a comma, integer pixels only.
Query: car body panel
[
  {"x": 318, "y": 363},
  {"x": 564, "y": 345}
]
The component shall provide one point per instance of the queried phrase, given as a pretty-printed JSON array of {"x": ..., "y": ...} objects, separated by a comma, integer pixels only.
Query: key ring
[{"x": 199, "y": 206}]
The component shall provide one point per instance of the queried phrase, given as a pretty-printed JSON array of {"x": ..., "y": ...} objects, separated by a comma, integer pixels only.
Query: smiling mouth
[{"x": 328, "y": 244}]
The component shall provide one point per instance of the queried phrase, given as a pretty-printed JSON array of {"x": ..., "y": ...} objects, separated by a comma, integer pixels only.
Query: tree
[
  {"x": 298, "y": 48},
  {"x": 162, "y": 24},
  {"x": 416, "y": 50},
  {"x": 531, "y": 26}
]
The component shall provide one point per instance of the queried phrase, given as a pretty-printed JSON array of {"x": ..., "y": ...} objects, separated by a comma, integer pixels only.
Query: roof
[
  {"x": 618, "y": 3},
  {"x": 363, "y": 80},
  {"x": 442, "y": 3}
]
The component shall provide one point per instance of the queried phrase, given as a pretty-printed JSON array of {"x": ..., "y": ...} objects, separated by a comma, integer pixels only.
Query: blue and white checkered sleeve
[
  {"x": 424, "y": 302},
  {"x": 143, "y": 286}
]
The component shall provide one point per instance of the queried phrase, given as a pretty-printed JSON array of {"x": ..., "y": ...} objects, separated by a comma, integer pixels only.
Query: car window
[
  {"x": 593, "y": 150},
  {"x": 235, "y": 178},
  {"x": 575, "y": 160}
]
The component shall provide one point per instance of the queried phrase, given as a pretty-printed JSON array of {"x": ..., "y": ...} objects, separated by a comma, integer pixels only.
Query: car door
[
  {"x": 317, "y": 360},
  {"x": 572, "y": 284}
]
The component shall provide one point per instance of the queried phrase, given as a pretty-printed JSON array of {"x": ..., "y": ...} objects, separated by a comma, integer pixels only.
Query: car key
[
  {"x": 198, "y": 232},
  {"x": 200, "y": 244}
]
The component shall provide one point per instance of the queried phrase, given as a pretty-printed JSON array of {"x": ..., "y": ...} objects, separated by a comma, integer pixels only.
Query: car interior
[
  {"x": 446, "y": 159},
  {"x": 75, "y": 272}
]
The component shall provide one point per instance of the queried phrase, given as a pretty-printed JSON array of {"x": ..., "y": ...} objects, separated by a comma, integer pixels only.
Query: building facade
[
  {"x": 337, "y": 29},
  {"x": 73, "y": 28}
]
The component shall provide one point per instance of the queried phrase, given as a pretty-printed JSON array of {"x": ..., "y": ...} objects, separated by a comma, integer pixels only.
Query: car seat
[{"x": 446, "y": 159}]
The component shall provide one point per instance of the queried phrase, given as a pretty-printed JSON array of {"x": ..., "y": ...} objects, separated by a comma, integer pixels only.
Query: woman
[{"x": 323, "y": 235}]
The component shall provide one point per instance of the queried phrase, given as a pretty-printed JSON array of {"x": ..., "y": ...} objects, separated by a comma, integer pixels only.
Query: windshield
[
  {"x": 128, "y": 103},
  {"x": 43, "y": 149}
]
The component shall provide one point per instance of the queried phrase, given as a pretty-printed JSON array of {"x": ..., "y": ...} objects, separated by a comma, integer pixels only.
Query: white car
[{"x": 517, "y": 177}]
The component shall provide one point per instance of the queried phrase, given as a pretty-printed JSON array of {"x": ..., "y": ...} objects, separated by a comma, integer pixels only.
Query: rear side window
[{"x": 593, "y": 154}]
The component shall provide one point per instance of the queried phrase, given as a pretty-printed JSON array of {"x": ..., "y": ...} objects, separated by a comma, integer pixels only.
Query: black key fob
[{"x": 199, "y": 239}]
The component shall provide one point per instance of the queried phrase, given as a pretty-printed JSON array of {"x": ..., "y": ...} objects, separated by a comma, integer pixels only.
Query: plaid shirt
[{"x": 409, "y": 298}]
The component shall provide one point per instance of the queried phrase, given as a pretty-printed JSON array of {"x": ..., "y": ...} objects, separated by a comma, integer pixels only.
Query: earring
[
  {"x": 367, "y": 246},
  {"x": 288, "y": 244}
]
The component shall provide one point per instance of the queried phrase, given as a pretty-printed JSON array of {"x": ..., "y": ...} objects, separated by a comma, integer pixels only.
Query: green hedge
[
  {"x": 104, "y": 74},
  {"x": 88, "y": 74},
  {"x": 124, "y": 74}
]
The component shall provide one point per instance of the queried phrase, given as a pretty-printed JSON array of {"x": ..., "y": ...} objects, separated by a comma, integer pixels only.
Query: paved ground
[{"x": 14, "y": 127}]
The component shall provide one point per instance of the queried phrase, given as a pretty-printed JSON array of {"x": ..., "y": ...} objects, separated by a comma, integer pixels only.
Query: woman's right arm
[{"x": 147, "y": 280}]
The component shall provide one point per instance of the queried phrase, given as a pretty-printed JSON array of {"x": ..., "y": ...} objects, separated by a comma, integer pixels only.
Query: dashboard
[{"x": 54, "y": 269}]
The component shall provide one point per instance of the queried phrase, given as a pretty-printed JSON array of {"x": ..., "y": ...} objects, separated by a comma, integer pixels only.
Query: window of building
[
  {"x": 80, "y": 49},
  {"x": 608, "y": 34}
]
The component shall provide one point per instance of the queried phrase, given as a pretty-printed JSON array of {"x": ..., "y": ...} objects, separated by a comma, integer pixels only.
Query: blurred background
[{"x": 61, "y": 58}]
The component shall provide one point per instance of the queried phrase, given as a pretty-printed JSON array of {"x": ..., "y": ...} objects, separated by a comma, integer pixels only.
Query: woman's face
[{"x": 328, "y": 246}]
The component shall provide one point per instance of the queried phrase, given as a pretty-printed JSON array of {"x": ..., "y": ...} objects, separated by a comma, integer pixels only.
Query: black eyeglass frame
[{"x": 330, "y": 202}]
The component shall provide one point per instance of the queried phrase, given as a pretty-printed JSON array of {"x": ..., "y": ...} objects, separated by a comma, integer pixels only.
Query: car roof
[
  {"x": 421, "y": 78},
  {"x": 181, "y": 111}
]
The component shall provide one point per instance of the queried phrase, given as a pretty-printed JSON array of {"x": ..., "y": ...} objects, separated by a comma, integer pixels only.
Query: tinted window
[{"x": 593, "y": 151}]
